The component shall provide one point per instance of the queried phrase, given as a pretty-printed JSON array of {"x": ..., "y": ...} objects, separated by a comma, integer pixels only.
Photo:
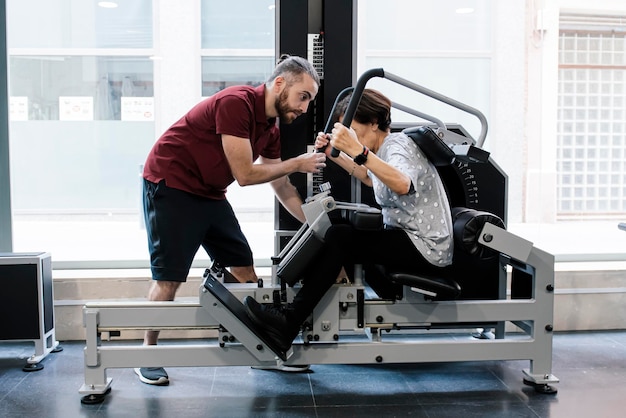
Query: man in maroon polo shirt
[{"x": 190, "y": 166}]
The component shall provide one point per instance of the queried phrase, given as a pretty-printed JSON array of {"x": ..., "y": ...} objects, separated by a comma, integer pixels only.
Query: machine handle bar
[{"x": 379, "y": 72}]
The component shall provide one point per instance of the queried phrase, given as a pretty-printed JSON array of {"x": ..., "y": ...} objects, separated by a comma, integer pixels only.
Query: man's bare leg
[
  {"x": 160, "y": 290},
  {"x": 244, "y": 274}
]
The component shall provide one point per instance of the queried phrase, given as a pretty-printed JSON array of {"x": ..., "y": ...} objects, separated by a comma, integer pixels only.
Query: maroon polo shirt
[{"x": 189, "y": 156}]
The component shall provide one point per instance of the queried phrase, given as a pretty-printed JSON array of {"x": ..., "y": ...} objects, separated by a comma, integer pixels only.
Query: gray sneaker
[{"x": 153, "y": 375}]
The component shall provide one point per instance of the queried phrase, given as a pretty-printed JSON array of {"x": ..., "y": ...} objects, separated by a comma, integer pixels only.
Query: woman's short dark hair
[{"x": 374, "y": 107}]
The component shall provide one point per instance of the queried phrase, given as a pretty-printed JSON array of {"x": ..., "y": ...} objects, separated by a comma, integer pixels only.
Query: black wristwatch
[{"x": 362, "y": 157}]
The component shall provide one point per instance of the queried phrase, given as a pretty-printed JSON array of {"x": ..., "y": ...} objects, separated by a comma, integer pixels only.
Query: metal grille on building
[{"x": 591, "y": 143}]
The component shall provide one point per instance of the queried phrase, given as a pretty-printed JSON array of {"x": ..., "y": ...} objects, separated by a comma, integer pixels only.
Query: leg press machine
[{"x": 498, "y": 281}]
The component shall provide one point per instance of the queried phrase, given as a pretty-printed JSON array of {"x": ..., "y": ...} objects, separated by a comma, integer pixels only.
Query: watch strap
[{"x": 362, "y": 157}]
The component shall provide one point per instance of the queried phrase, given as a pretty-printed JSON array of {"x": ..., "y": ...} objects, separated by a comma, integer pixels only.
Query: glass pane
[
  {"x": 79, "y": 24},
  {"x": 435, "y": 74},
  {"x": 238, "y": 24},
  {"x": 81, "y": 88},
  {"x": 76, "y": 188},
  {"x": 89, "y": 165},
  {"x": 441, "y": 28},
  {"x": 221, "y": 72},
  {"x": 77, "y": 167}
]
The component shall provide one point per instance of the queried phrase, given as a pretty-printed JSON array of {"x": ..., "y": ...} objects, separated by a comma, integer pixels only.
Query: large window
[
  {"x": 82, "y": 117},
  {"x": 89, "y": 99}
]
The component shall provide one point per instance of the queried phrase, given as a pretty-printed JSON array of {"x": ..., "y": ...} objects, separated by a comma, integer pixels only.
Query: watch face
[{"x": 360, "y": 159}]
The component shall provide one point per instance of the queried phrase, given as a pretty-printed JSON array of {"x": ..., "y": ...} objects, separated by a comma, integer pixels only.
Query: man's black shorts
[{"x": 178, "y": 223}]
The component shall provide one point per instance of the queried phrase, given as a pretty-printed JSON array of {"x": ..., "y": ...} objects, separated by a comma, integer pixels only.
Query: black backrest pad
[{"x": 437, "y": 151}]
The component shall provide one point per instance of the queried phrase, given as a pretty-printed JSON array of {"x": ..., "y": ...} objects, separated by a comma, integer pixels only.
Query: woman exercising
[{"x": 417, "y": 233}]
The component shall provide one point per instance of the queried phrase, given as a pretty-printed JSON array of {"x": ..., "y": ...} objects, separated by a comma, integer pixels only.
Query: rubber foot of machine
[
  {"x": 94, "y": 398},
  {"x": 35, "y": 367},
  {"x": 542, "y": 388},
  {"x": 32, "y": 367}
]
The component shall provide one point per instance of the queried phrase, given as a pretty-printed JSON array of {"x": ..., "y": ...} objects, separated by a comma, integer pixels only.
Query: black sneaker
[
  {"x": 153, "y": 375},
  {"x": 272, "y": 321}
]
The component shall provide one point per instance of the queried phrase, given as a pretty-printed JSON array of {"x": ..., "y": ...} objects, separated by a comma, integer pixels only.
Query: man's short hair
[{"x": 294, "y": 66}]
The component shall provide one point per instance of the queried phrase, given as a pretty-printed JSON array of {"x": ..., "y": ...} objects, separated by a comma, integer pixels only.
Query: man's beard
[{"x": 285, "y": 114}]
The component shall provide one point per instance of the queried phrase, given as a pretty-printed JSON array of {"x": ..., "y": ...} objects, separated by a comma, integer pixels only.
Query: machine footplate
[{"x": 236, "y": 307}]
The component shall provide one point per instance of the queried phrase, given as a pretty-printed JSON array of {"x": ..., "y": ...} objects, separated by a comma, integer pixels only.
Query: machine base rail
[{"x": 211, "y": 354}]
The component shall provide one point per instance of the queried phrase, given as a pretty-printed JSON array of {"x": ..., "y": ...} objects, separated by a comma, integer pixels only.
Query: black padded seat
[
  {"x": 467, "y": 226},
  {"x": 430, "y": 286}
]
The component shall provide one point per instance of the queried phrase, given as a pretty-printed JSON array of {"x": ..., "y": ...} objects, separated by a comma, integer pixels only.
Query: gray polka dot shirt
[{"x": 424, "y": 214}]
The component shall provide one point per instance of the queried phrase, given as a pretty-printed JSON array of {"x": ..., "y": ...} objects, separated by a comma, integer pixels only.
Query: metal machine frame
[
  {"x": 351, "y": 324},
  {"x": 347, "y": 326}
]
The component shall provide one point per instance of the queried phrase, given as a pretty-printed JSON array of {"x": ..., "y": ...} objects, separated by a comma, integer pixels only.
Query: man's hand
[{"x": 311, "y": 162}]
